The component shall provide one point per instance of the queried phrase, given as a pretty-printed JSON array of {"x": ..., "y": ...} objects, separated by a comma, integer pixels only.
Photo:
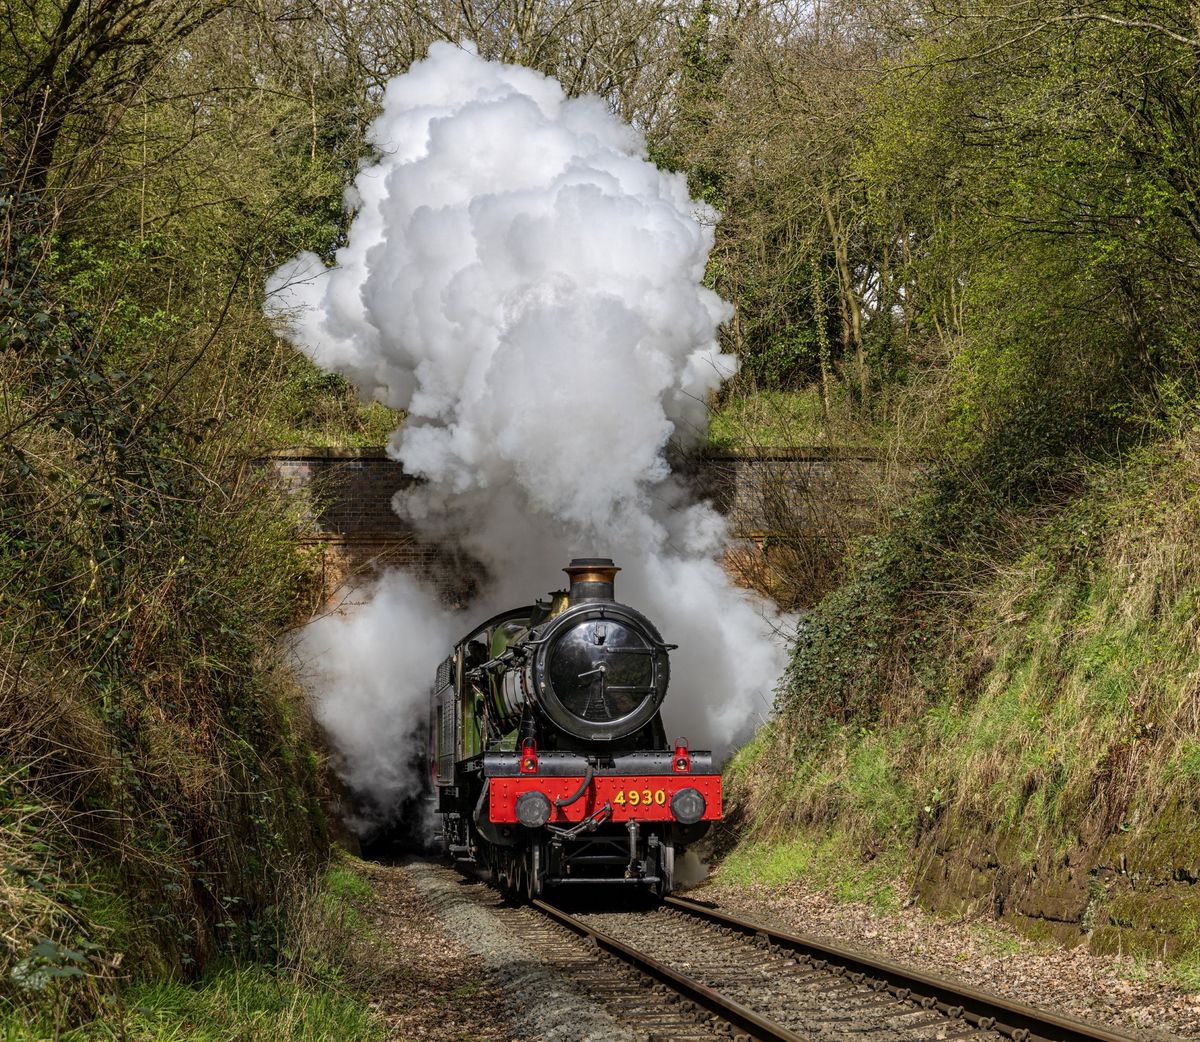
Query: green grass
[
  {"x": 1183, "y": 973},
  {"x": 748, "y": 754},
  {"x": 1185, "y": 764},
  {"x": 313, "y": 995},
  {"x": 1050, "y": 712},
  {"x": 771, "y": 419},
  {"x": 312, "y": 408},
  {"x": 249, "y": 1004},
  {"x": 830, "y": 863},
  {"x": 1186, "y": 973},
  {"x": 874, "y": 789},
  {"x": 341, "y": 887},
  {"x": 358, "y": 426},
  {"x": 768, "y": 418},
  {"x": 1137, "y": 968},
  {"x": 246, "y": 1004},
  {"x": 997, "y": 942},
  {"x": 343, "y": 884}
]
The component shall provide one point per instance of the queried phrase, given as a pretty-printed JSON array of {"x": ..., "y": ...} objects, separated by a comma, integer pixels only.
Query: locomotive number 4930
[{"x": 640, "y": 797}]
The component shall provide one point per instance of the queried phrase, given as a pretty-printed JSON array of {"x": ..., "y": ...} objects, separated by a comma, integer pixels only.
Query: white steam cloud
[
  {"x": 527, "y": 285},
  {"x": 366, "y": 665}
]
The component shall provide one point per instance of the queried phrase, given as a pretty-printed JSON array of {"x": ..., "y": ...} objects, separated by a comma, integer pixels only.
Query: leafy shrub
[{"x": 153, "y": 748}]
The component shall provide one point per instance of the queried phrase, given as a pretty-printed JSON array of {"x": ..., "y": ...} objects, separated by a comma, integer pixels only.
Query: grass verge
[
  {"x": 772, "y": 419},
  {"x": 831, "y": 863}
]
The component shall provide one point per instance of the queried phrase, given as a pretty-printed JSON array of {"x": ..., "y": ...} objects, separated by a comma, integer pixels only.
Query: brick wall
[
  {"x": 809, "y": 489},
  {"x": 347, "y": 493},
  {"x": 808, "y": 493},
  {"x": 346, "y": 497}
]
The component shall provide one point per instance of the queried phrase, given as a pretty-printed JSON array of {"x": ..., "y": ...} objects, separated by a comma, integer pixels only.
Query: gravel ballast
[
  {"x": 428, "y": 986},
  {"x": 1130, "y": 995},
  {"x": 539, "y": 1002},
  {"x": 465, "y": 966}
]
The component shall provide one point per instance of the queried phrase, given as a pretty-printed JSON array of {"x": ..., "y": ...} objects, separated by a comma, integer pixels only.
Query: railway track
[{"x": 743, "y": 979}]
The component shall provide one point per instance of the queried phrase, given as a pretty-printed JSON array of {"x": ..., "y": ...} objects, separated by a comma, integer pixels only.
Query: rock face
[{"x": 1136, "y": 892}]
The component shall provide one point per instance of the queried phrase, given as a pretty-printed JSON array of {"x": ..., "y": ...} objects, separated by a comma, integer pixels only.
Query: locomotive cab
[{"x": 549, "y": 757}]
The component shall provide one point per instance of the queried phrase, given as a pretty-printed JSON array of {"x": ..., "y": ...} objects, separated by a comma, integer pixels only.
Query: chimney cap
[{"x": 588, "y": 563}]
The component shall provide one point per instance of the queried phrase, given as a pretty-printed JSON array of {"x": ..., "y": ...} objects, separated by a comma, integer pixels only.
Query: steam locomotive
[{"x": 549, "y": 758}]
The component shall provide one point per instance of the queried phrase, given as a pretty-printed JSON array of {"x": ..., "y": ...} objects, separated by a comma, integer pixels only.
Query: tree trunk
[
  {"x": 823, "y": 356},
  {"x": 852, "y": 332}
]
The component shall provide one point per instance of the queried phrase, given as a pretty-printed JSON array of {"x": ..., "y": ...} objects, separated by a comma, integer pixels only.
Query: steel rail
[
  {"x": 984, "y": 1010},
  {"x": 758, "y": 1027}
]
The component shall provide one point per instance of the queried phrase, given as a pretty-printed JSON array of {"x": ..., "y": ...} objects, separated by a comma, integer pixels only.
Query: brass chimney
[{"x": 591, "y": 579}]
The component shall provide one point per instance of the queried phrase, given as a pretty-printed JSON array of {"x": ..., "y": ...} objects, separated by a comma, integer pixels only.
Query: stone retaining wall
[{"x": 1134, "y": 892}]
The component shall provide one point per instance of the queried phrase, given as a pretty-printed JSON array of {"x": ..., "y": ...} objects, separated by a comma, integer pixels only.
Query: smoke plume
[
  {"x": 369, "y": 664},
  {"x": 525, "y": 283}
]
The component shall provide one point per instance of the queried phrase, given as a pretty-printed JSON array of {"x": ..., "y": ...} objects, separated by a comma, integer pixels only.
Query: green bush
[{"x": 152, "y": 746}]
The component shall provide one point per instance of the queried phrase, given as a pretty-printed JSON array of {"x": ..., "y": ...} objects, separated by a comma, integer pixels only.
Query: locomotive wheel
[
  {"x": 666, "y": 869},
  {"x": 510, "y": 876},
  {"x": 518, "y": 879},
  {"x": 533, "y": 871}
]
